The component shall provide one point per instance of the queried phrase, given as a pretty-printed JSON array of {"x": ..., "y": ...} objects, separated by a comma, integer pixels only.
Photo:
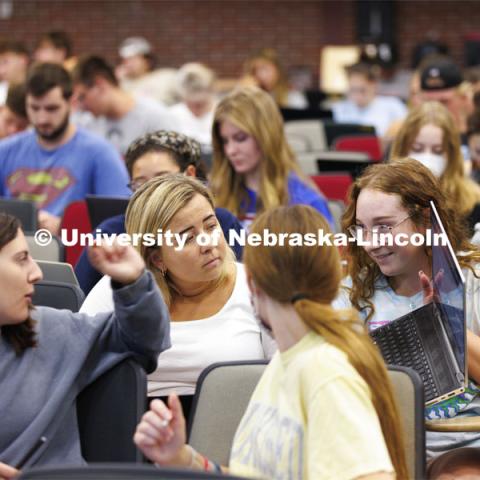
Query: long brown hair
[
  {"x": 253, "y": 111},
  {"x": 279, "y": 91},
  {"x": 464, "y": 192},
  {"x": 315, "y": 273},
  {"x": 21, "y": 336},
  {"x": 416, "y": 186}
]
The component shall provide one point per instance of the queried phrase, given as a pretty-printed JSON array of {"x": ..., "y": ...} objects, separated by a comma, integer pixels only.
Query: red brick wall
[
  {"x": 222, "y": 33},
  {"x": 451, "y": 20}
]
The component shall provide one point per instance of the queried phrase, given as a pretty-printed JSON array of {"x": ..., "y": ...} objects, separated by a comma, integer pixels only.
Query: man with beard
[{"x": 56, "y": 163}]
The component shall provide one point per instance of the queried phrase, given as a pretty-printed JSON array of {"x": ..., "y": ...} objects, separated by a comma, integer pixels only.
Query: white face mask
[{"x": 435, "y": 163}]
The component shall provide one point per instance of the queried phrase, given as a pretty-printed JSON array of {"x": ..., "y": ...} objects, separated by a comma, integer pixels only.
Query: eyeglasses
[
  {"x": 359, "y": 231},
  {"x": 136, "y": 184}
]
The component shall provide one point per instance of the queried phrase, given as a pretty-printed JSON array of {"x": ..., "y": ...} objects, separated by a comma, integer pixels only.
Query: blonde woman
[
  {"x": 204, "y": 288},
  {"x": 194, "y": 114},
  {"x": 324, "y": 407},
  {"x": 254, "y": 169},
  {"x": 429, "y": 135}
]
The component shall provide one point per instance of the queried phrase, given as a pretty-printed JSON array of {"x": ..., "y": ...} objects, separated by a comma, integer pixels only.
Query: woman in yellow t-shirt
[{"x": 324, "y": 407}]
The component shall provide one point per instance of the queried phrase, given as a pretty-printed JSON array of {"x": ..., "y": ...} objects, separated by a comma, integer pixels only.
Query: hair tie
[{"x": 298, "y": 296}]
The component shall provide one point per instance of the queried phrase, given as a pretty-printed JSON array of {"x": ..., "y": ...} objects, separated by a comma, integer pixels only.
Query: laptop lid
[
  {"x": 100, "y": 208},
  {"x": 449, "y": 289}
]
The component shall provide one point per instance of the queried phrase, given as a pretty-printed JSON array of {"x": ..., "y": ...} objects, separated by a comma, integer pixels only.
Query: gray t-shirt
[
  {"x": 146, "y": 116},
  {"x": 38, "y": 388}
]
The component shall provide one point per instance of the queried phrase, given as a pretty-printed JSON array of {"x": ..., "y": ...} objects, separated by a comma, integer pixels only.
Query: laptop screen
[{"x": 449, "y": 288}]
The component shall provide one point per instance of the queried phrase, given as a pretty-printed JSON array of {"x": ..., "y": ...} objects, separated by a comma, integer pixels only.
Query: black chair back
[
  {"x": 59, "y": 295},
  {"x": 24, "y": 210},
  {"x": 108, "y": 412}
]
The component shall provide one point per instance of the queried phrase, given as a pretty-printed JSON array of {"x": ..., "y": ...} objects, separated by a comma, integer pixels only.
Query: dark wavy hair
[{"x": 21, "y": 336}]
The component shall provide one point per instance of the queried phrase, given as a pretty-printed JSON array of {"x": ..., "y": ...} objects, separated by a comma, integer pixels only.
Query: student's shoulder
[
  {"x": 18, "y": 141},
  {"x": 149, "y": 106},
  {"x": 113, "y": 225},
  {"x": 56, "y": 325},
  {"x": 322, "y": 364},
  {"x": 301, "y": 192},
  {"x": 225, "y": 217},
  {"x": 90, "y": 142},
  {"x": 384, "y": 101}
]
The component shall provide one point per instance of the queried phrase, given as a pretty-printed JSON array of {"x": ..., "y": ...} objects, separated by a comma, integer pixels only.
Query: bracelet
[{"x": 208, "y": 465}]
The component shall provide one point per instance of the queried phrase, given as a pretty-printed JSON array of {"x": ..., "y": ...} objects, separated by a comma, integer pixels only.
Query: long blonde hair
[
  {"x": 315, "y": 273},
  {"x": 253, "y": 111},
  {"x": 416, "y": 186},
  {"x": 152, "y": 208},
  {"x": 464, "y": 192}
]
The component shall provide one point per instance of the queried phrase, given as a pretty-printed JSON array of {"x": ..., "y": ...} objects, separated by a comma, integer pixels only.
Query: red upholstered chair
[
  {"x": 369, "y": 144},
  {"x": 75, "y": 217},
  {"x": 334, "y": 186}
]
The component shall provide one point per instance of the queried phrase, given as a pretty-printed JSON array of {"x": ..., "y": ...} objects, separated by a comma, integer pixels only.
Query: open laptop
[
  {"x": 100, "y": 208},
  {"x": 432, "y": 339}
]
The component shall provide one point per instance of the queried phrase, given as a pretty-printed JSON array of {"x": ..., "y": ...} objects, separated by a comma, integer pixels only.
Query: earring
[{"x": 163, "y": 271}]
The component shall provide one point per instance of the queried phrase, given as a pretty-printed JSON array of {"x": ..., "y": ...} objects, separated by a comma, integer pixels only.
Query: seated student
[
  {"x": 151, "y": 155},
  {"x": 264, "y": 70},
  {"x": 363, "y": 105},
  {"x": 205, "y": 290},
  {"x": 386, "y": 282},
  {"x": 254, "y": 169},
  {"x": 429, "y": 135},
  {"x": 194, "y": 114},
  {"x": 473, "y": 136},
  {"x": 13, "y": 115},
  {"x": 116, "y": 115},
  {"x": 56, "y": 163},
  {"x": 324, "y": 407},
  {"x": 48, "y": 356}
]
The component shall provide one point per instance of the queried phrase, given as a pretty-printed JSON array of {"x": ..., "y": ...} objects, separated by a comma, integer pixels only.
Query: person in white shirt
[
  {"x": 194, "y": 114},
  {"x": 205, "y": 290},
  {"x": 363, "y": 105}
]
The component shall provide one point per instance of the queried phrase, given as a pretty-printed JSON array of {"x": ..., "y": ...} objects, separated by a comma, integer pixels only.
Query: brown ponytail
[{"x": 312, "y": 274}]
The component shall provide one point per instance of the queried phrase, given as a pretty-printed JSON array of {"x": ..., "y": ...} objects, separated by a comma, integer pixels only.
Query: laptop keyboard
[{"x": 401, "y": 345}]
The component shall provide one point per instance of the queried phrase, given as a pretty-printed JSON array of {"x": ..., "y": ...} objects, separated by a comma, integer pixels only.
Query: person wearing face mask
[{"x": 430, "y": 136}]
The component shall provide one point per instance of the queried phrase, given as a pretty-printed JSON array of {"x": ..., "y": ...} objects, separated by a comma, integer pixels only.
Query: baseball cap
[
  {"x": 134, "y": 46},
  {"x": 440, "y": 75}
]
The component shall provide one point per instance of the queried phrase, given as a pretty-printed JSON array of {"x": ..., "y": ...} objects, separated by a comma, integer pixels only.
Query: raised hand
[
  {"x": 428, "y": 287},
  {"x": 121, "y": 262},
  {"x": 161, "y": 434},
  {"x": 49, "y": 222}
]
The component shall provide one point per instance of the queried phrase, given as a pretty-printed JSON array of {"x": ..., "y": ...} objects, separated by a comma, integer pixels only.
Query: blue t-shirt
[
  {"x": 298, "y": 193},
  {"x": 88, "y": 276},
  {"x": 86, "y": 164}
]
